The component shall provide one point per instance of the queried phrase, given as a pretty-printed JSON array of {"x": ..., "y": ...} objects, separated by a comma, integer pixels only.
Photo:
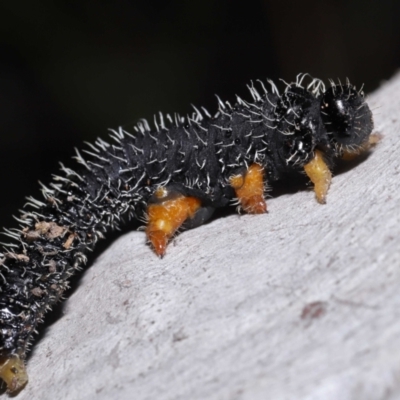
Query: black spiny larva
[{"x": 173, "y": 174}]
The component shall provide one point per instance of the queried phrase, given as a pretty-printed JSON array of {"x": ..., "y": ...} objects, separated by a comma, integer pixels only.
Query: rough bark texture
[{"x": 300, "y": 303}]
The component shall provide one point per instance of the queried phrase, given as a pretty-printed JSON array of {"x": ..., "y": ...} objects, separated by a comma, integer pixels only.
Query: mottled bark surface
[{"x": 300, "y": 303}]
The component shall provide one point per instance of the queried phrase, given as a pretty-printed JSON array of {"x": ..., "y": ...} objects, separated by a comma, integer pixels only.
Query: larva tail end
[{"x": 13, "y": 373}]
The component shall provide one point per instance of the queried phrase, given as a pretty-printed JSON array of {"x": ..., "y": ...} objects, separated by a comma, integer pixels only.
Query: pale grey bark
[{"x": 300, "y": 303}]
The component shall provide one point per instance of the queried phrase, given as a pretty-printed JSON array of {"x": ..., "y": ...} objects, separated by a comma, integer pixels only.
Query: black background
[{"x": 71, "y": 69}]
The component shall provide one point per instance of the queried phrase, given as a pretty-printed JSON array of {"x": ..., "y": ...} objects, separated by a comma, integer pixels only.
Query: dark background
[{"x": 71, "y": 69}]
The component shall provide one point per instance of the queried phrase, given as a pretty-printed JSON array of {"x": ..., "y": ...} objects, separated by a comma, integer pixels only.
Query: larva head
[{"x": 346, "y": 116}]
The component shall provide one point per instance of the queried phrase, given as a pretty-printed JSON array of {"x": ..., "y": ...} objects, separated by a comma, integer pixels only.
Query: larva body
[{"x": 176, "y": 173}]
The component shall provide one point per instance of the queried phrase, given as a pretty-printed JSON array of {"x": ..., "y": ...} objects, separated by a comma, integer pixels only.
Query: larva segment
[
  {"x": 320, "y": 175},
  {"x": 165, "y": 217},
  {"x": 249, "y": 189},
  {"x": 13, "y": 373}
]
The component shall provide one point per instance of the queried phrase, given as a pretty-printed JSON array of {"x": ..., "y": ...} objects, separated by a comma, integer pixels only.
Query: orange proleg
[
  {"x": 249, "y": 189},
  {"x": 13, "y": 372},
  {"x": 165, "y": 217}
]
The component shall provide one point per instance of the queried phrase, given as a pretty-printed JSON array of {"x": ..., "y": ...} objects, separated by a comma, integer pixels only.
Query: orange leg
[
  {"x": 371, "y": 142},
  {"x": 167, "y": 216},
  {"x": 249, "y": 188},
  {"x": 320, "y": 176}
]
